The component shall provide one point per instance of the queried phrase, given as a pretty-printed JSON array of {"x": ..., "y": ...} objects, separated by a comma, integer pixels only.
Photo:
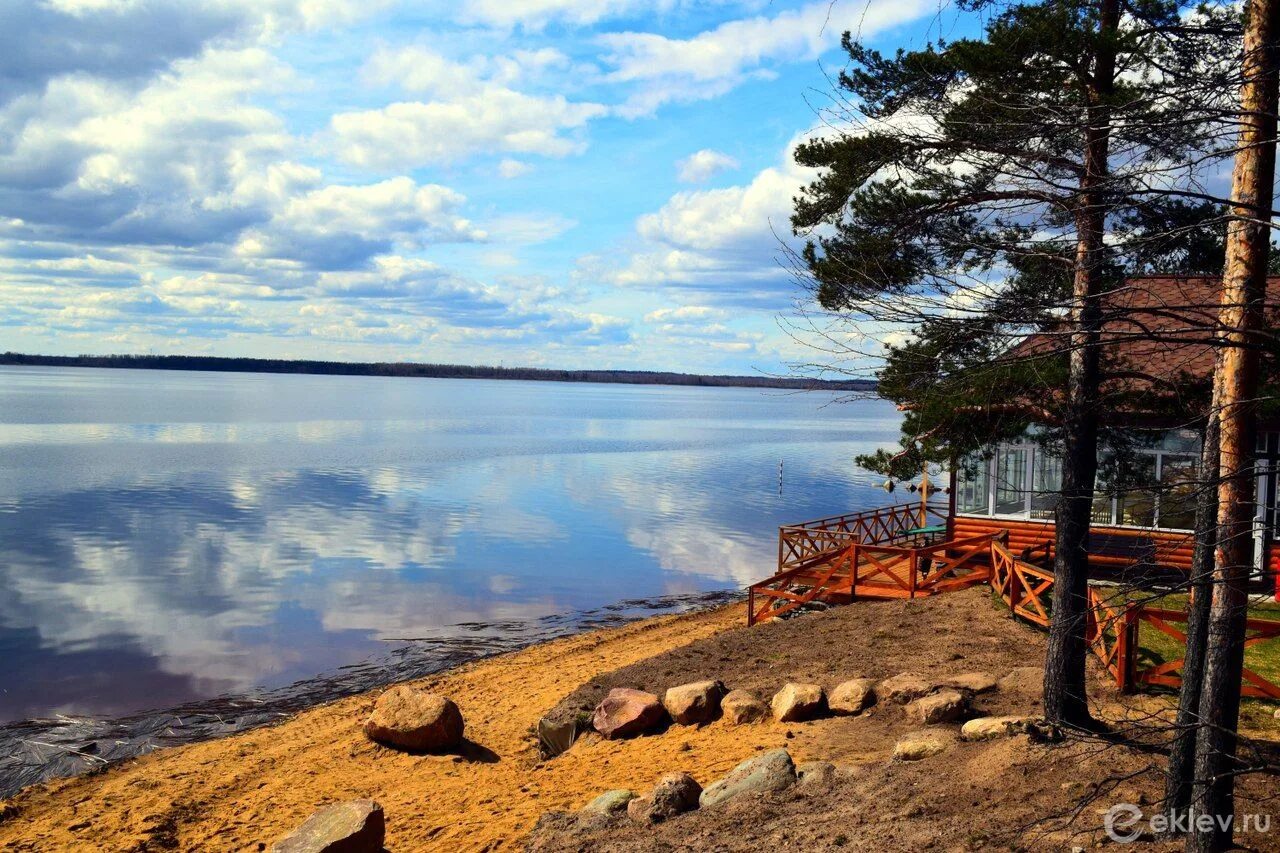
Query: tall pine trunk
[
  {"x": 1180, "y": 776},
  {"x": 1065, "y": 700},
  {"x": 1243, "y": 292}
]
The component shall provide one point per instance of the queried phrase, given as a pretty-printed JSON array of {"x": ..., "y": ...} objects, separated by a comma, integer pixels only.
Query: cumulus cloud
[
  {"x": 701, "y": 166},
  {"x": 342, "y": 226},
  {"x": 509, "y": 168},
  {"x": 471, "y": 109},
  {"x": 721, "y": 243},
  {"x": 716, "y": 60}
]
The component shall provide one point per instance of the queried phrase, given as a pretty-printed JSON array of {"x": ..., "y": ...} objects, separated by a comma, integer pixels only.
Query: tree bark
[
  {"x": 1181, "y": 772},
  {"x": 1240, "y": 317},
  {"x": 1065, "y": 699}
]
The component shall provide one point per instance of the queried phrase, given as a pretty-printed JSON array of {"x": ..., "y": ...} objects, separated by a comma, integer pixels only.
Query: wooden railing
[
  {"x": 1113, "y": 627},
  {"x": 809, "y": 542}
]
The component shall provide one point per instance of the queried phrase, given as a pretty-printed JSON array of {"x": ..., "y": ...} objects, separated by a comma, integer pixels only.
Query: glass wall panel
[
  {"x": 973, "y": 487},
  {"x": 1046, "y": 482},
  {"x": 1178, "y": 488},
  {"x": 1136, "y": 506},
  {"x": 1011, "y": 481}
]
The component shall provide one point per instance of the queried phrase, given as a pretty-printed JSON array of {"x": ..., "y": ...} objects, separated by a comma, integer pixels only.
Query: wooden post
[
  {"x": 751, "y": 606},
  {"x": 1015, "y": 589},
  {"x": 1127, "y": 648},
  {"x": 853, "y": 584},
  {"x": 914, "y": 558}
]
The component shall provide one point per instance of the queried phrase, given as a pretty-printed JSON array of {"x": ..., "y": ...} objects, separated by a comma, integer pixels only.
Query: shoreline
[
  {"x": 40, "y": 750},
  {"x": 253, "y": 787}
]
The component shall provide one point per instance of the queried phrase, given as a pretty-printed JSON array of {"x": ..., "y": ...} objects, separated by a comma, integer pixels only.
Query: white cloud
[
  {"x": 701, "y": 166},
  {"x": 471, "y": 110},
  {"x": 716, "y": 60},
  {"x": 536, "y": 14},
  {"x": 723, "y": 243},
  {"x": 338, "y": 226},
  {"x": 509, "y": 168}
]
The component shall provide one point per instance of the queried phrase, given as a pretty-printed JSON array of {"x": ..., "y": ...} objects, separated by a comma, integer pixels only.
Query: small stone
[
  {"x": 416, "y": 720},
  {"x": 815, "y": 773},
  {"x": 1024, "y": 679},
  {"x": 973, "y": 682},
  {"x": 945, "y": 706},
  {"x": 852, "y": 697},
  {"x": 918, "y": 745},
  {"x": 772, "y": 771},
  {"x": 904, "y": 687},
  {"x": 798, "y": 702},
  {"x": 990, "y": 728},
  {"x": 1276, "y": 714},
  {"x": 741, "y": 707},
  {"x": 690, "y": 704},
  {"x": 626, "y": 712},
  {"x": 608, "y": 803},
  {"x": 353, "y": 827},
  {"x": 675, "y": 793}
]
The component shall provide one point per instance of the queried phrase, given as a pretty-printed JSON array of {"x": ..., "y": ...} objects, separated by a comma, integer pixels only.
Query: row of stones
[
  {"x": 676, "y": 793},
  {"x": 625, "y": 712}
]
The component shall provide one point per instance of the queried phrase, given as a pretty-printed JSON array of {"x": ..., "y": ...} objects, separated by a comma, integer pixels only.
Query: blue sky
[{"x": 562, "y": 183}]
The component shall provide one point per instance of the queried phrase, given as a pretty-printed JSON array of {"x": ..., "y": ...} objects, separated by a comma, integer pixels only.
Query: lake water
[{"x": 167, "y": 537}]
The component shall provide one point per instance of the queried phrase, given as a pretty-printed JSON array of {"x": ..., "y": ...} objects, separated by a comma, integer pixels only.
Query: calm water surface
[{"x": 168, "y": 536}]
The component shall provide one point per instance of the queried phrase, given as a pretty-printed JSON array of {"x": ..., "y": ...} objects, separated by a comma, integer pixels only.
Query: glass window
[
  {"x": 1011, "y": 481},
  {"x": 1136, "y": 503},
  {"x": 1046, "y": 483},
  {"x": 1179, "y": 485},
  {"x": 973, "y": 483}
]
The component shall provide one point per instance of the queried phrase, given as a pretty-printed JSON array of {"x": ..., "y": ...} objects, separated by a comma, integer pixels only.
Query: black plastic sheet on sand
[{"x": 38, "y": 750}]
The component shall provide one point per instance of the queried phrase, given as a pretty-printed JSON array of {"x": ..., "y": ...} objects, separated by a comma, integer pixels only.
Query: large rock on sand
[
  {"x": 945, "y": 706},
  {"x": 918, "y": 745},
  {"x": 741, "y": 707},
  {"x": 609, "y": 803},
  {"x": 852, "y": 697},
  {"x": 626, "y": 712},
  {"x": 675, "y": 793},
  {"x": 798, "y": 702},
  {"x": 354, "y": 827},
  {"x": 990, "y": 728},
  {"x": 904, "y": 687},
  {"x": 690, "y": 704},
  {"x": 772, "y": 771},
  {"x": 416, "y": 720}
]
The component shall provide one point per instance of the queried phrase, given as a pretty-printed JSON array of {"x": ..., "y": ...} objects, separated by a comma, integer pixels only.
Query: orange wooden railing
[
  {"x": 810, "y": 542},
  {"x": 1113, "y": 627}
]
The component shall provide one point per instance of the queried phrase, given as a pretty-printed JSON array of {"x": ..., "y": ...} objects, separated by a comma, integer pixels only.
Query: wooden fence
[
  {"x": 801, "y": 545},
  {"x": 1113, "y": 629}
]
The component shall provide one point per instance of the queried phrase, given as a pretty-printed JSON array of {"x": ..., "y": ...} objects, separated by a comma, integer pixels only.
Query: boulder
[
  {"x": 990, "y": 728},
  {"x": 1024, "y": 679},
  {"x": 416, "y": 720},
  {"x": 904, "y": 687},
  {"x": 815, "y": 773},
  {"x": 675, "y": 793},
  {"x": 357, "y": 826},
  {"x": 625, "y": 712},
  {"x": 741, "y": 707},
  {"x": 690, "y": 704},
  {"x": 973, "y": 682},
  {"x": 773, "y": 771},
  {"x": 609, "y": 803},
  {"x": 555, "y": 737},
  {"x": 945, "y": 706},
  {"x": 918, "y": 745},
  {"x": 795, "y": 703},
  {"x": 852, "y": 697}
]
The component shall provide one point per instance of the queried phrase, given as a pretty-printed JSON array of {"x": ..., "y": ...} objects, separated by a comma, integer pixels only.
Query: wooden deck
[
  {"x": 891, "y": 552},
  {"x": 900, "y": 552}
]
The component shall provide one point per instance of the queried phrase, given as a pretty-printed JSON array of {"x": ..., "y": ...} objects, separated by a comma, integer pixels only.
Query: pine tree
[{"x": 994, "y": 185}]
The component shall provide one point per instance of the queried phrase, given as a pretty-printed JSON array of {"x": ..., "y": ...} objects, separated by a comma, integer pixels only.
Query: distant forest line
[{"x": 434, "y": 371}]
